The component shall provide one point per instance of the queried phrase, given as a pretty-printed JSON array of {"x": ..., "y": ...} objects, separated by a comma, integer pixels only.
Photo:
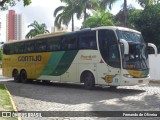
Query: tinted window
[
  {"x": 108, "y": 46},
  {"x": 87, "y": 40},
  {"x": 6, "y": 49},
  {"x": 29, "y": 47},
  {"x": 69, "y": 42},
  {"x": 54, "y": 44},
  {"x": 41, "y": 45}
]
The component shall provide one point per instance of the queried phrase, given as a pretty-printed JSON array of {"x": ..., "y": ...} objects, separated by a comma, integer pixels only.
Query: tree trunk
[
  {"x": 85, "y": 15},
  {"x": 125, "y": 13},
  {"x": 72, "y": 22}
]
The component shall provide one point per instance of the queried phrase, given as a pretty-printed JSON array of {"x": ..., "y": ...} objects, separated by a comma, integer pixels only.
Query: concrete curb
[
  {"x": 155, "y": 81},
  {"x": 12, "y": 102}
]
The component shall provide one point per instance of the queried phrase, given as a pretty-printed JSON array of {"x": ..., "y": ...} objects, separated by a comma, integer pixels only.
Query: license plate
[{"x": 140, "y": 81}]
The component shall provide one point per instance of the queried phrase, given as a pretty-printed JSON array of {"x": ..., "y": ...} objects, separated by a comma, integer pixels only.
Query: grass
[{"x": 5, "y": 102}]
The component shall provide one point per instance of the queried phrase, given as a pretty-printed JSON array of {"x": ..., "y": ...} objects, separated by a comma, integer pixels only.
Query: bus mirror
[
  {"x": 126, "y": 46},
  {"x": 154, "y": 47}
]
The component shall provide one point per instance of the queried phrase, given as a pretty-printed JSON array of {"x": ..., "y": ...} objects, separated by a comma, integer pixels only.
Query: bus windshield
[
  {"x": 130, "y": 36},
  {"x": 137, "y": 57}
]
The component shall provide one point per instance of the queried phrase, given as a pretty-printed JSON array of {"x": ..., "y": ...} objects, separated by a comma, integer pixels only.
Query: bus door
[
  {"x": 109, "y": 50},
  {"x": 114, "y": 71},
  {"x": 68, "y": 61}
]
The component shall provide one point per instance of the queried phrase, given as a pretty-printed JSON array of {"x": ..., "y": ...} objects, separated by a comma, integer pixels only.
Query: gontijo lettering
[{"x": 29, "y": 58}]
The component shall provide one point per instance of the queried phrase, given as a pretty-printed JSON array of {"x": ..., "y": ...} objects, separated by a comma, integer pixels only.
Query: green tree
[
  {"x": 146, "y": 3},
  {"x": 4, "y": 4},
  {"x": 104, "y": 3},
  {"x": 148, "y": 23},
  {"x": 99, "y": 18},
  {"x": 65, "y": 14},
  {"x": 133, "y": 16},
  {"x": 109, "y": 3},
  {"x": 37, "y": 29},
  {"x": 85, "y": 5}
]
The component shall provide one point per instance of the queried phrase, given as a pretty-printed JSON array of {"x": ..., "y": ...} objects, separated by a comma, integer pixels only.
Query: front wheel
[
  {"x": 113, "y": 87},
  {"x": 23, "y": 77},
  {"x": 89, "y": 81}
]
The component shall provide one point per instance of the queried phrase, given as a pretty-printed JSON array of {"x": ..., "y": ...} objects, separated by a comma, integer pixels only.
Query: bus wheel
[
  {"x": 16, "y": 76},
  {"x": 46, "y": 81},
  {"x": 23, "y": 77},
  {"x": 89, "y": 81},
  {"x": 113, "y": 87}
]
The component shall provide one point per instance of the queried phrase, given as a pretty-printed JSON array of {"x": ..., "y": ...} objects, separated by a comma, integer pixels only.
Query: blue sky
[{"x": 42, "y": 11}]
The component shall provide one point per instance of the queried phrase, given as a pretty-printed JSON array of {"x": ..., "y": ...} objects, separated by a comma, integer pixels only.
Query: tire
[
  {"x": 23, "y": 77},
  {"x": 46, "y": 81},
  {"x": 89, "y": 81},
  {"x": 16, "y": 76},
  {"x": 113, "y": 87}
]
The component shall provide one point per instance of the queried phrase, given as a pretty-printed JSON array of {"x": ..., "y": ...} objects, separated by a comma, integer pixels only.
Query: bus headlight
[{"x": 128, "y": 76}]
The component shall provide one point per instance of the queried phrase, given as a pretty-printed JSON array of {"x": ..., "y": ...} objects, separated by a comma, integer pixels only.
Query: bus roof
[
  {"x": 81, "y": 31},
  {"x": 116, "y": 28}
]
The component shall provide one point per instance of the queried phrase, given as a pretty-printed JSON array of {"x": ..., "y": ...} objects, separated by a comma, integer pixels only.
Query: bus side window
[
  {"x": 16, "y": 48},
  {"x": 6, "y": 49},
  {"x": 29, "y": 47},
  {"x": 108, "y": 46},
  {"x": 21, "y": 48},
  {"x": 87, "y": 40},
  {"x": 69, "y": 42},
  {"x": 41, "y": 45},
  {"x": 54, "y": 44}
]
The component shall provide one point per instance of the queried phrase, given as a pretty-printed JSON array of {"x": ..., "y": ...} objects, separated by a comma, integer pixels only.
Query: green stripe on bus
[
  {"x": 59, "y": 63},
  {"x": 52, "y": 63},
  {"x": 65, "y": 62}
]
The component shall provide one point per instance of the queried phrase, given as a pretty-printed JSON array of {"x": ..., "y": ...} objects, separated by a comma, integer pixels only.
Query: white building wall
[
  {"x": 19, "y": 27},
  {"x": 154, "y": 64},
  {"x": 0, "y": 29},
  {"x": 7, "y": 27}
]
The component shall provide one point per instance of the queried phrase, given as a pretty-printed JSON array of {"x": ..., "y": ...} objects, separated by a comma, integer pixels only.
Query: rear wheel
[
  {"x": 89, "y": 81},
  {"x": 113, "y": 87},
  {"x": 46, "y": 81},
  {"x": 23, "y": 77},
  {"x": 16, "y": 76}
]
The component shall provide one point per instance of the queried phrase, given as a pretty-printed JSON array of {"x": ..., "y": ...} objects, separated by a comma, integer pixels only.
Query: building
[
  {"x": 62, "y": 29},
  {"x": 14, "y": 26},
  {"x": 0, "y": 29}
]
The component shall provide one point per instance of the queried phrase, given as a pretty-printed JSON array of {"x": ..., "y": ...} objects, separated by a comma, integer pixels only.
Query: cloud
[{"x": 39, "y": 10}]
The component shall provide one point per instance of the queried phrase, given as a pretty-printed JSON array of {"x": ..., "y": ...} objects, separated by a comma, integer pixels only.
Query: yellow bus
[{"x": 108, "y": 56}]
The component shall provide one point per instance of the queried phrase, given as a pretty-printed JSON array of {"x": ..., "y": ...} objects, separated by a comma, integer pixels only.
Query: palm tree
[
  {"x": 37, "y": 29},
  {"x": 99, "y": 18},
  {"x": 145, "y": 3},
  {"x": 65, "y": 14},
  {"x": 104, "y": 3},
  {"x": 84, "y": 5},
  {"x": 125, "y": 12},
  {"x": 109, "y": 3}
]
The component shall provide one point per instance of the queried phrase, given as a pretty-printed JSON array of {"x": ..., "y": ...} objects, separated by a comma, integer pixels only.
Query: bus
[{"x": 105, "y": 56}]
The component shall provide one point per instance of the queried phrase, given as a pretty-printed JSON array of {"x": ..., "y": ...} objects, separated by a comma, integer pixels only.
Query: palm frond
[{"x": 57, "y": 10}]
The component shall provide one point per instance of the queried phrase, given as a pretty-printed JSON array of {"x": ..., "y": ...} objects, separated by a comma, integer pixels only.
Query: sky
[{"x": 42, "y": 11}]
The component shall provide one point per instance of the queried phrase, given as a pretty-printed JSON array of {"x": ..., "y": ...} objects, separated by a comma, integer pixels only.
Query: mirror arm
[
  {"x": 126, "y": 46},
  {"x": 154, "y": 47}
]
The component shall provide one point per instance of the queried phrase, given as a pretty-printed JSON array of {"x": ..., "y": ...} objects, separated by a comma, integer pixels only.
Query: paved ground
[{"x": 65, "y": 97}]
